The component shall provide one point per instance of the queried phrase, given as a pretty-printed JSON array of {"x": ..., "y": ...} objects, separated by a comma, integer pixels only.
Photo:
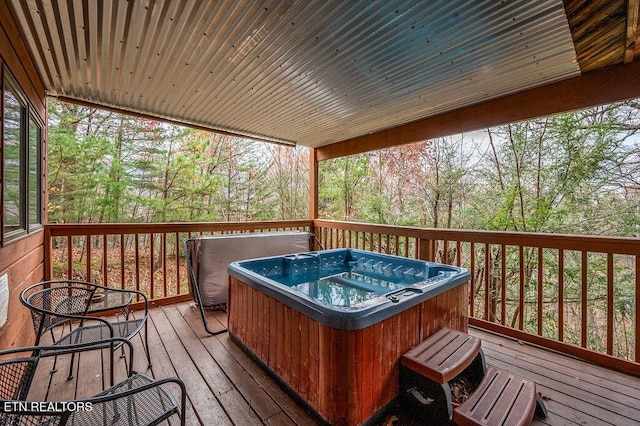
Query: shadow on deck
[{"x": 226, "y": 387}]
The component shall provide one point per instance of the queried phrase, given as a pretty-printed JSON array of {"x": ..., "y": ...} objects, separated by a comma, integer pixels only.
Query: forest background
[{"x": 571, "y": 173}]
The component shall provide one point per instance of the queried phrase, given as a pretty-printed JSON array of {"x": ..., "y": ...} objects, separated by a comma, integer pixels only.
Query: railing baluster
[
  {"x": 178, "y": 286},
  {"x": 88, "y": 245},
  {"x": 503, "y": 284},
  {"x": 610, "y": 303},
  {"x": 472, "y": 282},
  {"x": 69, "y": 257},
  {"x": 521, "y": 288},
  {"x": 163, "y": 249},
  {"x": 137, "y": 260},
  {"x": 122, "y": 262},
  {"x": 637, "y": 305},
  {"x": 561, "y": 295},
  {"x": 151, "y": 266},
  {"x": 584, "y": 300},
  {"x": 540, "y": 291},
  {"x": 105, "y": 262},
  {"x": 487, "y": 282}
]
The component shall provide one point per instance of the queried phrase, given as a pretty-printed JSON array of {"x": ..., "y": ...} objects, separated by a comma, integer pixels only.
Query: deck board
[
  {"x": 201, "y": 396},
  {"x": 260, "y": 400},
  {"x": 575, "y": 391},
  {"x": 225, "y": 386}
]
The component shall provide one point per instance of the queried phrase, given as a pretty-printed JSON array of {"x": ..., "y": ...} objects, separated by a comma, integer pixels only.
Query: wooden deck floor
[{"x": 226, "y": 387}]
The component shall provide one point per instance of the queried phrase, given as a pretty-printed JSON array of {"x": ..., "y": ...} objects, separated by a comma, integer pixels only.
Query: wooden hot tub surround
[{"x": 345, "y": 376}]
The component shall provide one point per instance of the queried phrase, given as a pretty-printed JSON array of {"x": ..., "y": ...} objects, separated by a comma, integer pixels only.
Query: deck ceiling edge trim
[
  {"x": 611, "y": 84},
  {"x": 170, "y": 120}
]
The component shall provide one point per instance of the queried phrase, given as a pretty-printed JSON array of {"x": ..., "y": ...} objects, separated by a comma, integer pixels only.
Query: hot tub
[{"x": 332, "y": 325}]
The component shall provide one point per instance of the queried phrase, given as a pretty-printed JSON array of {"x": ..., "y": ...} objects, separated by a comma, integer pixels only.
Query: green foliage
[
  {"x": 571, "y": 173},
  {"x": 105, "y": 167},
  {"x": 342, "y": 186}
]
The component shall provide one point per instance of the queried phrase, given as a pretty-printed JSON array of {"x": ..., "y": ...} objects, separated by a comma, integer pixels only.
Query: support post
[
  {"x": 313, "y": 187},
  {"x": 426, "y": 250}
]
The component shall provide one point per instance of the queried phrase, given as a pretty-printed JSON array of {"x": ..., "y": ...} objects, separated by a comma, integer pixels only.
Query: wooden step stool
[
  {"x": 500, "y": 399},
  {"x": 440, "y": 358}
]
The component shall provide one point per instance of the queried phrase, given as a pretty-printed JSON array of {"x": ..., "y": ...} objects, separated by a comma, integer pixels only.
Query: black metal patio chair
[
  {"x": 137, "y": 400},
  {"x": 69, "y": 310}
]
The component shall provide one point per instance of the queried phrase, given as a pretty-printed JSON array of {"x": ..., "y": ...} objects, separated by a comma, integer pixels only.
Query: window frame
[
  {"x": 39, "y": 141},
  {"x": 28, "y": 119}
]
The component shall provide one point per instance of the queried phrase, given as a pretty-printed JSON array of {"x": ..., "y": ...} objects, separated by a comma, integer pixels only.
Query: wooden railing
[
  {"x": 576, "y": 294},
  {"x": 145, "y": 257}
]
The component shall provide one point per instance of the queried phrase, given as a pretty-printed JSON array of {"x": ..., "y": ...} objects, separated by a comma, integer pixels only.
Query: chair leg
[
  {"x": 70, "y": 376},
  {"x": 55, "y": 358},
  {"x": 146, "y": 342},
  {"x": 78, "y": 339},
  {"x": 54, "y": 369},
  {"x": 541, "y": 408}
]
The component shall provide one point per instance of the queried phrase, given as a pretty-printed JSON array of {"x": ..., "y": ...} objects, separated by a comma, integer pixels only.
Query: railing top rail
[
  {"x": 67, "y": 229},
  {"x": 591, "y": 243}
]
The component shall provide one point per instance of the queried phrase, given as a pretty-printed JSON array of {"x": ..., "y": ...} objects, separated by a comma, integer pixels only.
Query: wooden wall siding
[
  {"x": 16, "y": 57},
  {"x": 22, "y": 261},
  {"x": 345, "y": 375}
]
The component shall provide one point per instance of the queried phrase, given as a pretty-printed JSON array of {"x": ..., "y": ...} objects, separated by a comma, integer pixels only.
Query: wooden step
[
  {"x": 500, "y": 399},
  {"x": 443, "y": 355}
]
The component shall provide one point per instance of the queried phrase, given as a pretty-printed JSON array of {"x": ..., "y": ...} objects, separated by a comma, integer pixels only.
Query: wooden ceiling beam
[
  {"x": 607, "y": 85},
  {"x": 633, "y": 8}
]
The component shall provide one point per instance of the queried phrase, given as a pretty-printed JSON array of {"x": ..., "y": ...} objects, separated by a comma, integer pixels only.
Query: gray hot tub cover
[{"x": 215, "y": 253}]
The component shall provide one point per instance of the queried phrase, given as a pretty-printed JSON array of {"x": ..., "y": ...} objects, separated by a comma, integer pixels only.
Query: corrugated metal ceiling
[{"x": 310, "y": 72}]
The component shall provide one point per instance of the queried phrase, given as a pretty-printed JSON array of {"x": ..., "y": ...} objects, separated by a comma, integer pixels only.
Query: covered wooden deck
[{"x": 226, "y": 387}]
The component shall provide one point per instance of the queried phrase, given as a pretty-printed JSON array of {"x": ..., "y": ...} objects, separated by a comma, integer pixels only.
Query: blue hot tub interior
[{"x": 350, "y": 278}]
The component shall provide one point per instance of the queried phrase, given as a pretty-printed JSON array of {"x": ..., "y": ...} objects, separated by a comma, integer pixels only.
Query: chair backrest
[
  {"x": 137, "y": 400},
  {"x": 16, "y": 376},
  {"x": 46, "y": 298},
  {"x": 209, "y": 257}
]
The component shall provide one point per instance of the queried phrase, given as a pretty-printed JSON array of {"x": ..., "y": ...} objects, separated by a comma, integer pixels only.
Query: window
[
  {"x": 34, "y": 184},
  {"x": 21, "y": 164}
]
